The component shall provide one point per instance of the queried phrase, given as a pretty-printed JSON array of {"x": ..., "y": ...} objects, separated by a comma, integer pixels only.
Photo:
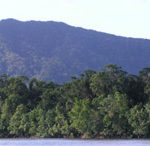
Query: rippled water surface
[{"x": 60, "y": 142}]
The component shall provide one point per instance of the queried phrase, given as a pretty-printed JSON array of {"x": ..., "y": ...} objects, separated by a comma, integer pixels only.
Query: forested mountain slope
[{"x": 56, "y": 51}]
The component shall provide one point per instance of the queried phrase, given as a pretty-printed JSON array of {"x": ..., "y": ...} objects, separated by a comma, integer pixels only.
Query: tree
[
  {"x": 139, "y": 121},
  {"x": 114, "y": 108},
  {"x": 145, "y": 77},
  {"x": 134, "y": 88},
  {"x": 19, "y": 125},
  {"x": 83, "y": 118},
  {"x": 110, "y": 80}
]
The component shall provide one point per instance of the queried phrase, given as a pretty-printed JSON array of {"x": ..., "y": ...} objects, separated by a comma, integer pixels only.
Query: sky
[{"x": 129, "y": 18}]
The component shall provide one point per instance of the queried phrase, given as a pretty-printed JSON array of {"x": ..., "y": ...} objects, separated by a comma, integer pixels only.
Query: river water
[{"x": 63, "y": 142}]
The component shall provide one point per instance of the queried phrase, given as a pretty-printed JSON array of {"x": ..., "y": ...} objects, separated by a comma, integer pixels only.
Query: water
[{"x": 60, "y": 142}]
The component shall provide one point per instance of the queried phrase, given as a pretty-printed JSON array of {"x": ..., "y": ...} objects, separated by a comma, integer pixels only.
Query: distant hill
[{"x": 56, "y": 51}]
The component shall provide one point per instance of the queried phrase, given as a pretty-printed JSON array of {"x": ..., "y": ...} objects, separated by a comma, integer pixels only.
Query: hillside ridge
[{"x": 56, "y": 51}]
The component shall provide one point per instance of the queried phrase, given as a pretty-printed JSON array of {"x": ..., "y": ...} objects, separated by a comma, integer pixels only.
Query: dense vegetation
[
  {"x": 106, "y": 104},
  {"x": 45, "y": 50}
]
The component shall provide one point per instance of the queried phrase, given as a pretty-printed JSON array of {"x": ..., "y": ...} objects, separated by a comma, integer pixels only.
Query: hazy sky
[{"x": 121, "y": 17}]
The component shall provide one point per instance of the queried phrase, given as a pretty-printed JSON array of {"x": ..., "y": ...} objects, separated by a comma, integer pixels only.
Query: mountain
[{"x": 56, "y": 51}]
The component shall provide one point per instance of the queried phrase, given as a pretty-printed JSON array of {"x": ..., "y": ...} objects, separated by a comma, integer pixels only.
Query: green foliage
[
  {"x": 80, "y": 116},
  {"x": 110, "y": 80},
  {"x": 106, "y": 104},
  {"x": 18, "y": 125},
  {"x": 139, "y": 120},
  {"x": 114, "y": 120}
]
